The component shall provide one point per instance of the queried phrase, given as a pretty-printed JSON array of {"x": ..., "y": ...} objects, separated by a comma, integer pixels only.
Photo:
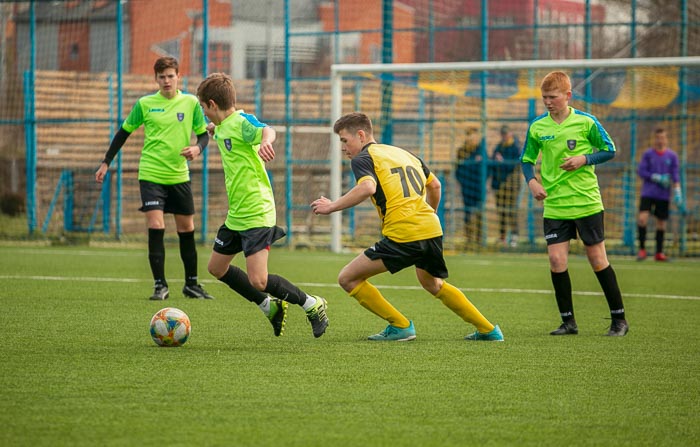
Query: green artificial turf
[{"x": 78, "y": 367}]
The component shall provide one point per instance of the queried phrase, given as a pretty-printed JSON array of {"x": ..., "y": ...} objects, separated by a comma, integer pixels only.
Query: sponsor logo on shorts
[
  {"x": 180, "y": 116},
  {"x": 550, "y": 236},
  {"x": 151, "y": 203},
  {"x": 218, "y": 241}
]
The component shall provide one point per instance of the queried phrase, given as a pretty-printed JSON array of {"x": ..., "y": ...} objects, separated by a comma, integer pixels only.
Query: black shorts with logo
[
  {"x": 426, "y": 254},
  {"x": 174, "y": 199},
  {"x": 231, "y": 242},
  {"x": 590, "y": 228}
]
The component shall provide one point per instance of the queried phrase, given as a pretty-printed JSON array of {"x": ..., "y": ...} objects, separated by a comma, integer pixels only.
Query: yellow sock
[
  {"x": 371, "y": 299},
  {"x": 458, "y": 303}
]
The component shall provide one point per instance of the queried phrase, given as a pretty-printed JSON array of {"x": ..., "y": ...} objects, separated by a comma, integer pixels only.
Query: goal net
[{"x": 458, "y": 117}]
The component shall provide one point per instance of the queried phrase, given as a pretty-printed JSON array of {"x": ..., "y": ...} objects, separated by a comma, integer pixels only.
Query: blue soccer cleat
[
  {"x": 393, "y": 333},
  {"x": 494, "y": 335}
]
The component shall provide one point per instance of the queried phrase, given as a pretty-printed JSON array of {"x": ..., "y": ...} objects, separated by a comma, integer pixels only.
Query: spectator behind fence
[
  {"x": 469, "y": 176},
  {"x": 505, "y": 182}
]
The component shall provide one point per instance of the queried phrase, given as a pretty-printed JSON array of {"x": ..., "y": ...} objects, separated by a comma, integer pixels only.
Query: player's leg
[
  {"x": 156, "y": 253},
  {"x": 661, "y": 211},
  {"x": 592, "y": 234},
  {"x": 226, "y": 246},
  {"x": 180, "y": 203},
  {"x": 353, "y": 278},
  {"x": 642, "y": 221},
  {"x": 152, "y": 205},
  {"x": 558, "y": 234},
  {"x": 256, "y": 246}
]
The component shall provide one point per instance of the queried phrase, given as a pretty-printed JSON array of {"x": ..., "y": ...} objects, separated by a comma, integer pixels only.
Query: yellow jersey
[{"x": 400, "y": 196}]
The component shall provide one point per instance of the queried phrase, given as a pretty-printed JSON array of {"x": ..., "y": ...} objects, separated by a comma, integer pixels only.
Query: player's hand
[
  {"x": 101, "y": 172},
  {"x": 537, "y": 190},
  {"x": 661, "y": 179},
  {"x": 678, "y": 197},
  {"x": 211, "y": 128},
  {"x": 266, "y": 151},
  {"x": 191, "y": 152},
  {"x": 322, "y": 205},
  {"x": 573, "y": 163}
]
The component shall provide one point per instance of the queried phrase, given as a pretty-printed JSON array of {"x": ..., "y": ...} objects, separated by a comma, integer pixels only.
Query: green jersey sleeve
[{"x": 135, "y": 118}]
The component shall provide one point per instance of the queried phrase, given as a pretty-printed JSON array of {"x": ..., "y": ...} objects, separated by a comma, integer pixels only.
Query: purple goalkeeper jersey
[{"x": 654, "y": 162}]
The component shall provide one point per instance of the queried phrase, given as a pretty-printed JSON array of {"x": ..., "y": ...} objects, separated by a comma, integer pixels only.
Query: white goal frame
[{"x": 338, "y": 71}]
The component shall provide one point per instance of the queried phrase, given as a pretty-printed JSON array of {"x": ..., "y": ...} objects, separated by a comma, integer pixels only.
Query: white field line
[{"x": 508, "y": 291}]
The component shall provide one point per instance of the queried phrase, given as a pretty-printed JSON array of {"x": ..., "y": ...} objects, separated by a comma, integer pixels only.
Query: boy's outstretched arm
[{"x": 361, "y": 192}]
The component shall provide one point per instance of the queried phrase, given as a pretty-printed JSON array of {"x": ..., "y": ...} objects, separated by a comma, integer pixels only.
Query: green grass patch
[{"x": 78, "y": 366}]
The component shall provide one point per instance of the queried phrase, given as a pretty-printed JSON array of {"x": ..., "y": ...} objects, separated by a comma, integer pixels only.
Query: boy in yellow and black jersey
[{"x": 406, "y": 195}]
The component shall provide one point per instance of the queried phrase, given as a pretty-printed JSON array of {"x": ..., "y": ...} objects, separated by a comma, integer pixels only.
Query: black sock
[
  {"x": 562, "y": 292},
  {"x": 660, "y": 241},
  {"x": 642, "y": 236},
  {"x": 608, "y": 282},
  {"x": 156, "y": 255},
  {"x": 188, "y": 254},
  {"x": 284, "y": 290},
  {"x": 238, "y": 280}
]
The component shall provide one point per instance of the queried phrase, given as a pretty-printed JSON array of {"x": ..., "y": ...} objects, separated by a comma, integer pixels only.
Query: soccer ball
[{"x": 170, "y": 327}]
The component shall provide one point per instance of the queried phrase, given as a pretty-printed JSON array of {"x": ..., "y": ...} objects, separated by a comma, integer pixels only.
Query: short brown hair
[
  {"x": 556, "y": 80},
  {"x": 352, "y": 122},
  {"x": 218, "y": 87},
  {"x": 163, "y": 63}
]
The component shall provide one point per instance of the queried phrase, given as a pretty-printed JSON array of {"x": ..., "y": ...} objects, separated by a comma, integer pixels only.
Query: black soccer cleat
[
  {"x": 618, "y": 328},
  {"x": 196, "y": 291},
  {"x": 566, "y": 328},
  {"x": 160, "y": 293},
  {"x": 317, "y": 316}
]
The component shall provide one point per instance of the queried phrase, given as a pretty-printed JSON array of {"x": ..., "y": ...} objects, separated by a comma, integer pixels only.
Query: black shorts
[
  {"x": 175, "y": 199},
  {"x": 659, "y": 207},
  {"x": 231, "y": 242},
  {"x": 425, "y": 254},
  {"x": 590, "y": 228}
]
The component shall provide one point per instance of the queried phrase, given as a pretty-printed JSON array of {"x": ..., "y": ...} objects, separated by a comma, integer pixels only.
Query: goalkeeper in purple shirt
[{"x": 658, "y": 170}]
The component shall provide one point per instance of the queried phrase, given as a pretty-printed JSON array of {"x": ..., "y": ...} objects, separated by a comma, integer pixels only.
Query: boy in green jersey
[
  {"x": 406, "y": 194},
  {"x": 571, "y": 142},
  {"x": 169, "y": 117},
  {"x": 250, "y": 227}
]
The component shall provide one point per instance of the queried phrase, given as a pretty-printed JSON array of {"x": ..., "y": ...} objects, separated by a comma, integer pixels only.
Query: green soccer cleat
[
  {"x": 393, "y": 333},
  {"x": 317, "y": 316},
  {"x": 278, "y": 315},
  {"x": 494, "y": 335}
]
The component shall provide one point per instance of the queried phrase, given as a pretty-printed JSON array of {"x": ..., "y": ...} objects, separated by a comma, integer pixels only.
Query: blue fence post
[{"x": 68, "y": 200}]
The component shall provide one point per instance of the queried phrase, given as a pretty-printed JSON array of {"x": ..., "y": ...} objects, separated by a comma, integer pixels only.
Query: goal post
[{"x": 435, "y": 102}]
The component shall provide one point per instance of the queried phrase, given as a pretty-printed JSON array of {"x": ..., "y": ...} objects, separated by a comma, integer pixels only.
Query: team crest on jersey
[
  {"x": 571, "y": 144},
  {"x": 180, "y": 116},
  {"x": 227, "y": 143}
]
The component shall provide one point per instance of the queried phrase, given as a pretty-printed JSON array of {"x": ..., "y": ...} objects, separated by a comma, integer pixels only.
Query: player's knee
[
  {"x": 346, "y": 282},
  {"x": 215, "y": 270},
  {"x": 258, "y": 281}
]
